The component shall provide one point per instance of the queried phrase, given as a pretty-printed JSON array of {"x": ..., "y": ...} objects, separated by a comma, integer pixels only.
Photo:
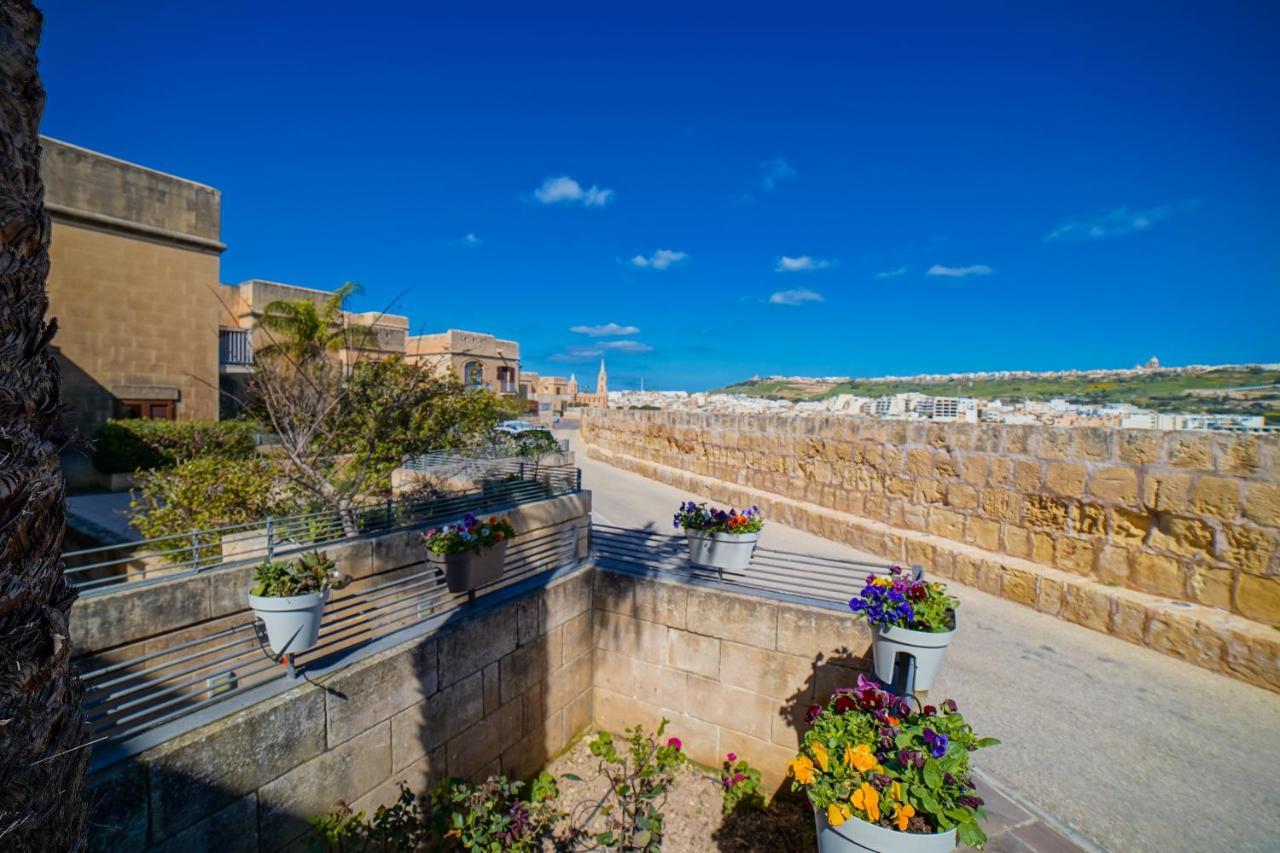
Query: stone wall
[
  {"x": 1116, "y": 530},
  {"x": 731, "y": 672},
  {"x": 499, "y": 691}
]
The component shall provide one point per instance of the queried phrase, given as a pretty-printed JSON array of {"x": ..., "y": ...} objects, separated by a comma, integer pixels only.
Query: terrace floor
[{"x": 1117, "y": 746}]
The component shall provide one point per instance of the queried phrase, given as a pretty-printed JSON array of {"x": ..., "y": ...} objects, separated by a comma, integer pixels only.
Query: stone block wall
[
  {"x": 731, "y": 672},
  {"x": 500, "y": 691},
  {"x": 1193, "y": 516}
]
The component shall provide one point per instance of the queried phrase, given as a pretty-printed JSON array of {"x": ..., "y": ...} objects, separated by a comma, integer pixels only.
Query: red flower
[{"x": 675, "y": 743}]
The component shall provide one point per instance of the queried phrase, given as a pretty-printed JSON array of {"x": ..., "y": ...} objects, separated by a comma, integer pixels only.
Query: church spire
[{"x": 602, "y": 381}]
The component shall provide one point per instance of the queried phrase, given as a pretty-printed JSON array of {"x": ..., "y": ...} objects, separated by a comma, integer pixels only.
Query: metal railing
[
  {"x": 109, "y": 568},
  {"x": 137, "y": 692},
  {"x": 771, "y": 570},
  {"x": 446, "y": 459},
  {"x": 235, "y": 346}
]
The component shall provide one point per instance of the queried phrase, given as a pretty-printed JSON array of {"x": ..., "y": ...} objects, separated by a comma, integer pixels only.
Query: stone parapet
[{"x": 1206, "y": 636}]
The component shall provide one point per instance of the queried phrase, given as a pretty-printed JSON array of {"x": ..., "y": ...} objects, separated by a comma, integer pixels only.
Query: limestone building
[{"x": 477, "y": 359}]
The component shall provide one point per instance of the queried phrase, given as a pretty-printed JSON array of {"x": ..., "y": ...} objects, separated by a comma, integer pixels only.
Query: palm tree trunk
[{"x": 42, "y": 804}]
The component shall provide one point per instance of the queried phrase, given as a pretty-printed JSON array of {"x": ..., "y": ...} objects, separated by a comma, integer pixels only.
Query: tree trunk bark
[{"x": 42, "y": 804}]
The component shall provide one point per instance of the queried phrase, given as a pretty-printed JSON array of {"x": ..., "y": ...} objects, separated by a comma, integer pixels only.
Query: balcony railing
[{"x": 235, "y": 347}]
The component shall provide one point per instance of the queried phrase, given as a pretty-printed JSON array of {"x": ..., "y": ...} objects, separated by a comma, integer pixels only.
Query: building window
[
  {"x": 160, "y": 410},
  {"x": 473, "y": 374}
]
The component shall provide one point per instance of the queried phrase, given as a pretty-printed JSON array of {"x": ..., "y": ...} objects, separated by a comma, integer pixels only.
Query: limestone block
[
  {"x": 1190, "y": 450},
  {"x": 636, "y": 638},
  {"x": 617, "y": 712},
  {"x": 810, "y": 632},
  {"x": 1028, "y": 475},
  {"x": 1217, "y": 496},
  {"x": 1129, "y": 527},
  {"x": 1119, "y": 485},
  {"x": 579, "y": 715},
  {"x": 1259, "y": 598},
  {"x": 470, "y": 753},
  {"x": 659, "y": 686},
  {"x": 1049, "y": 595},
  {"x": 576, "y": 636},
  {"x": 731, "y": 707},
  {"x": 117, "y": 797},
  {"x": 229, "y": 590},
  {"x": 1187, "y": 536},
  {"x": 112, "y": 619},
  {"x": 343, "y": 773},
  {"x": 492, "y": 681},
  {"x": 738, "y": 618},
  {"x": 474, "y": 642},
  {"x": 1139, "y": 447},
  {"x": 528, "y": 619},
  {"x": 1052, "y": 443},
  {"x": 1160, "y": 574},
  {"x": 1113, "y": 563},
  {"x": 1129, "y": 615},
  {"x": 1262, "y": 502},
  {"x": 1091, "y": 519},
  {"x": 771, "y": 673},
  {"x": 233, "y": 829},
  {"x": 565, "y": 599},
  {"x": 421, "y": 776},
  {"x": 974, "y": 468},
  {"x": 567, "y": 683},
  {"x": 1001, "y": 504},
  {"x": 983, "y": 533},
  {"x": 1181, "y": 634},
  {"x": 205, "y": 770},
  {"x": 1065, "y": 479},
  {"x": 1093, "y": 443},
  {"x": 527, "y": 756},
  {"x": 375, "y": 689},
  {"x": 1250, "y": 549},
  {"x": 1243, "y": 455},
  {"x": 529, "y": 665},
  {"x": 418, "y": 730},
  {"x": 1252, "y": 652},
  {"x": 946, "y": 523},
  {"x": 1017, "y": 541},
  {"x": 1167, "y": 492},
  {"x": 395, "y": 551},
  {"x": 1046, "y": 512},
  {"x": 1018, "y": 585},
  {"x": 693, "y": 653},
  {"x": 1001, "y": 471},
  {"x": 1212, "y": 587},
  {"x": 961, "y": 496},
  {"x": 1087, "y": 604},
  {"x": 656, "y": 601}
]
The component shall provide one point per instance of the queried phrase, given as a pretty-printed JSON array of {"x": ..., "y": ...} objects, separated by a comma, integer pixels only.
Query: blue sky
[{"x": 709, "y": 191}]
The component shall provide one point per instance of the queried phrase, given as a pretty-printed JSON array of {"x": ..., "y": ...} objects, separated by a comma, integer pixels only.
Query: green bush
[{"x": 125, "y": 446}]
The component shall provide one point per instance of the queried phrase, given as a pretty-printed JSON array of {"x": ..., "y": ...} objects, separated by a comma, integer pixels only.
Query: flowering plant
[
  {"x": 895, "y": 600},
  {"x": 639, "y": 778},
  {"x": 708, "y": 519},
  {"x": 875, "y": 756},
  {"x": 313, "y": 572},
  {"x": 469, "y": 534},
  {"x": 741, "y": 784}
]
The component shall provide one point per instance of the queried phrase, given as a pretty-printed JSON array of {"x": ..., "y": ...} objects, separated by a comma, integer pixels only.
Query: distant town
[{"x": 1150, "y": 396}]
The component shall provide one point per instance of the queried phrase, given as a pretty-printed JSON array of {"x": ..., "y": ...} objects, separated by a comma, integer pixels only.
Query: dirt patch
[{"x": 694, "y": 819}]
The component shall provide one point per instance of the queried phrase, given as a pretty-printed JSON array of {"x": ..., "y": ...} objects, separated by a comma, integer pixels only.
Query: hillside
[{"x": 1161, "y": 391}]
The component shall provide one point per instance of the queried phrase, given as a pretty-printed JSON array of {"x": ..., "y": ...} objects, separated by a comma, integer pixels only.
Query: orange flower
[
  {"x": 867, "y": 799},
  {"x": 499, "y": 536},
  {"x": 801, "y": 768},
  {"x": 820, "y": 753},
  {"x": 902, "y": 815},
  {"x": 860, "y": 758},
  {"x": 893, "y": 721}
]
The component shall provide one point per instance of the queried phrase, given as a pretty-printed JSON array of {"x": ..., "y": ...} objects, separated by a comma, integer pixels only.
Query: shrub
[
  {"x": 708, "y": 519},
  {"x": 871, "y": 755},
  {"x": 203, "y": 493},
  {"x": 124, "y": 446},
  {"x": 638, "y": 783},
  {"x": 312, "y": 572},
  {"x": 895, "y": 600},
  {"x": 533, "y": 442},
  {"x": 741, "y": 785},
  {"x": 489, "y": 816}
]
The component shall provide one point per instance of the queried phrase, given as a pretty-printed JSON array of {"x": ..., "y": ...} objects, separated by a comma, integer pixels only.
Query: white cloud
[
  {"x": 774, "y": 172},
  {"x": 1116, "y": 223},
  {"x": 960, "y": 272},
  {"x": 894, "y": 273},
  {"x": 659, "y": 260},
  {"x": 472, "y": 240},
  {"x": 600, "y": 348},
  {"x": 798, "y": 296},
  {"x": 565, "y": 189},
  {"x": 804, "y": 263},
  {"x": 604, "y": 330}
]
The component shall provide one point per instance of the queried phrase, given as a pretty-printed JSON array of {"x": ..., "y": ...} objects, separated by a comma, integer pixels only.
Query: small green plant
[
  {"x": 490, "y": 817},
  {"x": 639, "y": 779},
  {"x": 313, "y": 572},
  {"x": 741, "y": 784}
]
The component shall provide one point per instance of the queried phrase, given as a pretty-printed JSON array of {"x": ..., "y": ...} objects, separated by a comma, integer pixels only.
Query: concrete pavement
[{"x": 1129, "y": 748}]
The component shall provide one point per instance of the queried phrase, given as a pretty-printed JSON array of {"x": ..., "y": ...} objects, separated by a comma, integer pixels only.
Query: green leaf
[
  {"x": 971, "y": 834},
  {"x": 642, "y": 838},
  {"x": 983, "y": 743},
  {"x": 572, "y": 777},
  {"x": 933, "y": 774}
]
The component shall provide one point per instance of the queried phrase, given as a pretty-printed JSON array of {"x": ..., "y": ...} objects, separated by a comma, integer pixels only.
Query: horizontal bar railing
[
  {"x": 496, "y": 452},
  {"x": 134, "y": 693},
  {"x": 108, "y": 568},
  {"x": 771, "y": 570}
]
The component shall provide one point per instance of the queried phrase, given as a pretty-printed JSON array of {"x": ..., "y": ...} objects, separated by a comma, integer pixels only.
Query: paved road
[{"x": 1130, "y": 748}]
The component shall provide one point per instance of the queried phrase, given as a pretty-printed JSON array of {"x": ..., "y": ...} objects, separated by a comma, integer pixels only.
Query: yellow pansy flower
[
  {"x": 860, "y": 758},
  {"x": 801, "y": 768},
  {"x": 895, "y": 791},
  {"x": 820, "y": 753},
  {"x": 867, "y": 799},
  {"x": 837, "y": 813},
  {"x": 902, "y": 815}
]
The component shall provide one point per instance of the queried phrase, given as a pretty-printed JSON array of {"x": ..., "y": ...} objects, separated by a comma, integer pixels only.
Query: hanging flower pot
[
  {"x": 887, "y": 774},
  {"x": 719, "y": 539},
  {"x": 470, "y": 552},
  {"x": 908, "y": 616},
  {"x": 289, "y": 597}
]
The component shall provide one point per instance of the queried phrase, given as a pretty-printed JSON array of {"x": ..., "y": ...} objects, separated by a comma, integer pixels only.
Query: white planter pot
[
  {"x": 293, "y": 621},
  {"x": 927, "y": 647},
  {"x": 855, "y": 835},
  {"x": 722, "y": 550}
]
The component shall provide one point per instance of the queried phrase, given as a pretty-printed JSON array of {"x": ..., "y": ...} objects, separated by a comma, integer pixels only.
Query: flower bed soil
[{"x": 694, "y": 819}]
